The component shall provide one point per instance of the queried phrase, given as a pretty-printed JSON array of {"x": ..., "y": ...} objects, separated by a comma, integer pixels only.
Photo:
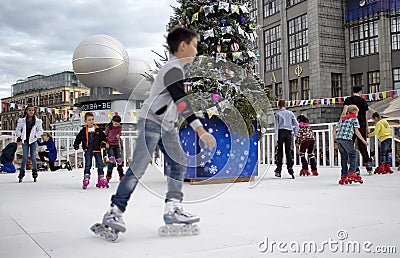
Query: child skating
[
  {"x": 50, "y": 153},
  {"x": 305, "y": 141},
  {"x": 113, "y": 134},
  {"x": 157, "y": 126},
  {"x": 93, "y": 140},
  {"x": 29, "y": 129},
  {"x": 343, "y": 133},
  {"x": 382, "y": 129},
  {"x": 283, "y": 129}
]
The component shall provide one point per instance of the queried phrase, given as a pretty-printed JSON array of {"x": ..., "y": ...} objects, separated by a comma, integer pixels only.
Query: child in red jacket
[{"x": 305, "y": 141}]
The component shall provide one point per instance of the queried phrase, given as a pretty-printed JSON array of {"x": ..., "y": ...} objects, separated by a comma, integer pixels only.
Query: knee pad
[
  {"x": 302, "y": 155},
  {"x": 119, "y": 161},
  {"x": 112, "y": 159},
  {"x": 311, "y": 156}
]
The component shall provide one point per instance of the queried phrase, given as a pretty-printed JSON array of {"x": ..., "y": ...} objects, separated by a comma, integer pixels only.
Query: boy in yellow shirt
[{"x": 382, "y": 129}]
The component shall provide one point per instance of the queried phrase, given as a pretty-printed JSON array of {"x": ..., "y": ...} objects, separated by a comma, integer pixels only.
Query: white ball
[
  {"x": 135, "y": 82},
  {"x": 100, "y": 61}
]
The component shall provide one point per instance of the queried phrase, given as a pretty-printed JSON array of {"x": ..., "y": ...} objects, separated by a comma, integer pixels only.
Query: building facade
[
  {"x": 49, "y": 94},
  {"x": 314, "y": 49}
]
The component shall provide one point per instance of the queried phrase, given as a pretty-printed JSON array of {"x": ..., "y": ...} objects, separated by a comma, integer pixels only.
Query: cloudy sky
[{"x": 39, "y": 36}]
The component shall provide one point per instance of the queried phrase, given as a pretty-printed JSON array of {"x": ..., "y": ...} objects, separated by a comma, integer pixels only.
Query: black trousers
[
  {"x": 284, "y": 137},
  {"x": 42, "y": 155},
  {"x": 361, "y": 146}
]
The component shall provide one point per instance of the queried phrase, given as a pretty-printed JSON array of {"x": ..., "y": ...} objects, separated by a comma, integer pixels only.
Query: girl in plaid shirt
[{"x": 346, "y": 127}]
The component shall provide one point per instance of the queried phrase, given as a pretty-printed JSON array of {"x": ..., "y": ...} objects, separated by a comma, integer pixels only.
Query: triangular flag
[
  {"x": 322, "y": 101},
  {"x": 340, "y": 100},
  {"x": 317, "y": 102},
  {"x": 293, "y": 103},
  {"x": 306, "y": 102},
  {"x": 384, "y": 95},
  {"x": 110, "y": 114},
  {"x": 301, "y": 103},
  {"x": 392, "y": 94},
  {"x": 312, "y": 102},
  {"x": 297, "y": 103},
  {"x": 328, "y": 102},
  {"x": 333, "y": 101},
  {"x": 364, "y": 96},
  {"x": 377, "y": 97},
  {"x": 84, "y": 113},
  {"x": 398, "y": 92}
]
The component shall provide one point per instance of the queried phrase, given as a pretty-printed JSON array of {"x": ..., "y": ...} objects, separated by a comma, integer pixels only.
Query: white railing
[{"x": 325, "y": 148}]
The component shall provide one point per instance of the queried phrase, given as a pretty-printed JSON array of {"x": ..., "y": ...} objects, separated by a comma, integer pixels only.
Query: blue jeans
[
  {"x": 31, "y": 148},
  {"x": 8, "y": 167},
  {"x": 151, "y": 135},
  {"x": 347, "y": 151},
  {"x": 88, "y": 162},
  {"x": 386, "y": 146}
]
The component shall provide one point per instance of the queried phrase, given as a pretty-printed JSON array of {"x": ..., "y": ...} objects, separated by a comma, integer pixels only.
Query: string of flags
[
  {"x": 340, "y": 100},
  {"x": 66, "y": 112}
]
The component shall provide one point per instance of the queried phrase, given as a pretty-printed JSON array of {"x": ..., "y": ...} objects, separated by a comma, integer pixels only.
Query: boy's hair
[
  {"x": 19, "y": 139},
  {"x": 357, "y": 89},
  {"x": 88, "y": 114},
  {"x": 177, "y": 35},
  {"x": 281, "y": 103},
  {"x": 352, "y": 109},
  {"x": 376, "y": 115},
  {"x": 303, "y": 119},
  {"x": 115, "y": 118}
]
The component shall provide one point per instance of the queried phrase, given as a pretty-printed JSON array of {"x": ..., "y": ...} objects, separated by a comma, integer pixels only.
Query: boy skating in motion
[
  {"x": 343, "y": 133},
  {"x": 157, "y": 126}
]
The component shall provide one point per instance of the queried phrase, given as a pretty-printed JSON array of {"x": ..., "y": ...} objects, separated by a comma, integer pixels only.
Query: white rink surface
[{"x": 51, "y": 218}]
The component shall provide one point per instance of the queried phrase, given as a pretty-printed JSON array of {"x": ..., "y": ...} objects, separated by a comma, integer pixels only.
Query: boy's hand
[
  {"x": 207, "y": 138},
  {"x": 107, "y": 146},
  {"x": 276, "y": 143}
]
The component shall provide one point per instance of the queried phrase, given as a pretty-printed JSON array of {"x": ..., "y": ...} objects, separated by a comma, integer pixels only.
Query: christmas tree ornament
[
  {"x": 251, "y": 54},
  {"x": 242, "y": 19},
  {"x": 184, "y": 14},
  {"x": 210, "y": 65},
  {"x": 237, "y": 56},
  {"x": 209, "y": 33},
  {"x": 252, "y": 26},
  {"x": 216, "y": 97},
  {"x": 208, "y": 9},
  {"x": 234, "y": 46},
  {"x": 220, "y": 57},
  {"x": 229, "y": 29},
  {"x": 223, "y": 21},
  {"x": 219, "y": 48},
  {"x": 195, "y": 17},
  {"x": 223, "y": 30},
  {"x": 235, "y": 9},
  {"x": 223, "y": 6},
  {"x": 183, "y": 22}
]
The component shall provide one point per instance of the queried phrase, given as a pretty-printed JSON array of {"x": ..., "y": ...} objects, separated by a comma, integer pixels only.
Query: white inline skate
[
  {"x": 178, "y": 221},
  {"x": 111, "y": 226}
]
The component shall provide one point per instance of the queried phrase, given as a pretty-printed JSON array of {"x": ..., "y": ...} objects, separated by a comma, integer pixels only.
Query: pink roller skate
[
  {"x": 388, "y": 169},
  {"x": 86, "y": 179},
  {"x": 304, "y": 172},
  {"x": 343, "y": 180},
  {"x": 353, "y": 177},
  {"x": 102, "y": 182},
  {"x": 112, "y": 159}
]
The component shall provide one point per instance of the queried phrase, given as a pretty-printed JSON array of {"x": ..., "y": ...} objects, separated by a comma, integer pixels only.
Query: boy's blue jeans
[
  {"x": 8, "y": 167},
  {"x": 347, "y": 151},
  {"x": 385, "y": 150},
  {"x": 150, "y": 136},
  {"x": 31, "y": 148},
  {"x": 88, "y": 162}
]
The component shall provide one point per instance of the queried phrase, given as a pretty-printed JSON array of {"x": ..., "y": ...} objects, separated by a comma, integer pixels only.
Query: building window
[
  {"x": 293, "y": 90},
  {"x": 336, "y": 82},
  {"x": 278, "y": 91},
  {"x": 395, "y": 30},
  {"x": 357, "y": 80},
  {"x": 305, "y": 88},
  {"x": 373, "y": 82},
  {"x": 272, "y": 39},
  {"x": 396, "y": 78},
  {"x": 293, "y": 2},
  {"x": 364, "y": 38},
  {"x": 298, "y": 40},
  {"x": 271, "y": 7}
]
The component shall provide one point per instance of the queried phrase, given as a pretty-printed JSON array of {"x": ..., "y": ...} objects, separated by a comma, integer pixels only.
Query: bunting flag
[{"x": 340, "y": 100}]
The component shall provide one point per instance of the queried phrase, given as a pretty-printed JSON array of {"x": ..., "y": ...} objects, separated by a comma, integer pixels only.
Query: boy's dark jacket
[
  {"x": 7, "y": 155},
  {"x": 99, "y": 139}
]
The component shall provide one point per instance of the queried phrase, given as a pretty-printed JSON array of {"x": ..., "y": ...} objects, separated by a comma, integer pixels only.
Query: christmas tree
[{"x": 224, "y": 73}]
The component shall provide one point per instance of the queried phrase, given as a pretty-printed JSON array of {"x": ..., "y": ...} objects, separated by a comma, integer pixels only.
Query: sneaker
[
  {"x": 291, "y": 172},
  {"x": 113, "y": 219},
  {"x": 278, "y": 172}
]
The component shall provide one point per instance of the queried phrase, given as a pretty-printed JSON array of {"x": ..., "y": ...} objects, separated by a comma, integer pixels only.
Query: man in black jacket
[{"x": 7, "y": 156}]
